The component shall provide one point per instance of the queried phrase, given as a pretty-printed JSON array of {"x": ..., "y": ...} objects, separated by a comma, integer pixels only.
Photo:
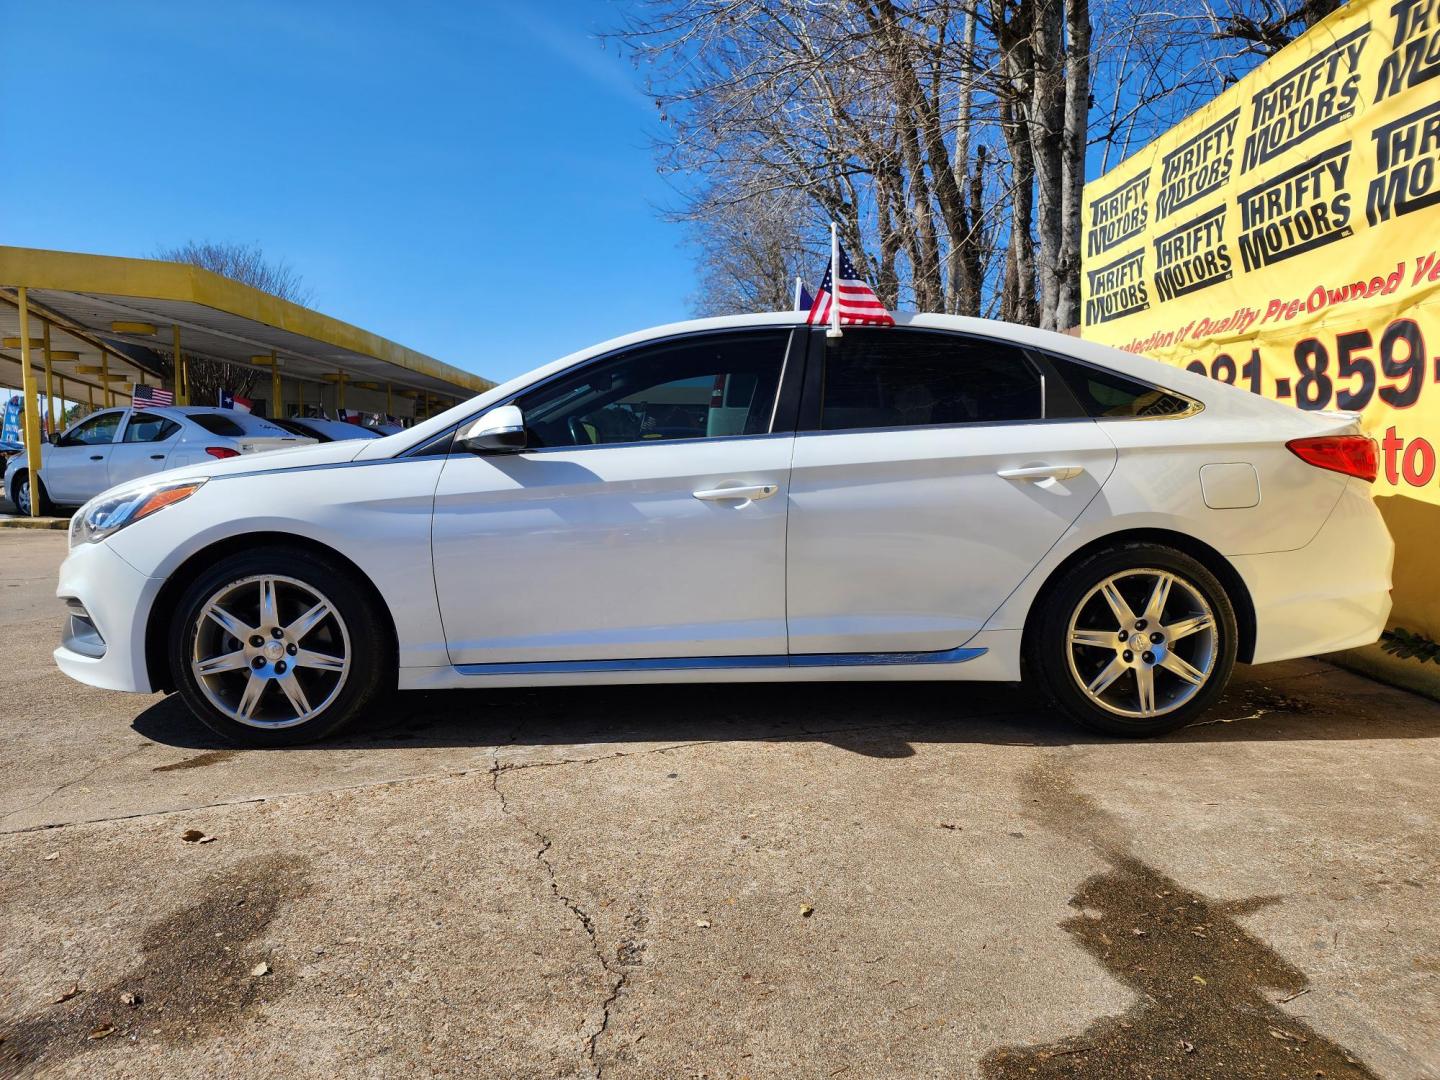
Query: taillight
[
  {"x": 1353, "y": 455},
  {"x": 225, "y": 451}
]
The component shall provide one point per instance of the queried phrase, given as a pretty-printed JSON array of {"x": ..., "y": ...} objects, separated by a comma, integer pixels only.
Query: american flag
[
  {"x": 144, "y": 397},
  {"x": 859, "y": 306}
]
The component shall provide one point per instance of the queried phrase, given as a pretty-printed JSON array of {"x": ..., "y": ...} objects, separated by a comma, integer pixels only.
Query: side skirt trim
[{"x": 703, "y": 663}]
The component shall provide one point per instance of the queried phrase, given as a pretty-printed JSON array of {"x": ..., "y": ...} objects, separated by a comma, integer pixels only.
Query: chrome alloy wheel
[
  {"x": 22, "y": 496},
  {"x": 270, "y": 651},
  {"x": 1142, "y": 643}
]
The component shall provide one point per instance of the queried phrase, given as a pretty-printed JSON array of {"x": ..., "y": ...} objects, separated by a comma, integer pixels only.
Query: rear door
[
  {"x": 928, "y": 479},
  {"x": 144, "y": 446},
  {"x": 78, "y": 466}
]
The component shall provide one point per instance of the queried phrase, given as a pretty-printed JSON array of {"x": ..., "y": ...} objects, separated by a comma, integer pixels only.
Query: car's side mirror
[
  {"x": 499, "y": 431},
  {"x": 53, "y": 438}
]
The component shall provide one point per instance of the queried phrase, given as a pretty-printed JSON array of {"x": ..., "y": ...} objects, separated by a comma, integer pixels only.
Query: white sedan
[
  {"x": 112, "y": 446},
  {"x": 740, "y": 499}
]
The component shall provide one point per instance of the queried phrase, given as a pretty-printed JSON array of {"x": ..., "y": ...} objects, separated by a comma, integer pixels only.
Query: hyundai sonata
[{"x": 742, "y": 499}]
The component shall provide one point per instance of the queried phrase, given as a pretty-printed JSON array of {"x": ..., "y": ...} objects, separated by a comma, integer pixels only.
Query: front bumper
[{"x": 104, "y": 639}]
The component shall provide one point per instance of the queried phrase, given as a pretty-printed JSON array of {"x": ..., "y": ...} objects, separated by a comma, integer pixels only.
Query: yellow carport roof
[{"x": 87, "y": 299}]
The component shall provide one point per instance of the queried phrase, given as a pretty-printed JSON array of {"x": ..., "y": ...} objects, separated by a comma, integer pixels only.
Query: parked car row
[{"x": 112, "y": 446}]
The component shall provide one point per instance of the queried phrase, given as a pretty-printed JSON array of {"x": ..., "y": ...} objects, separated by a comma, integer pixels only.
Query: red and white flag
[{"x": 845, "y": 299}]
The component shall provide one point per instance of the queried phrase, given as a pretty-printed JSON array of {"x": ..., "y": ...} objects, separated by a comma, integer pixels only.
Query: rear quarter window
[{"x": 1108, "y": 395}]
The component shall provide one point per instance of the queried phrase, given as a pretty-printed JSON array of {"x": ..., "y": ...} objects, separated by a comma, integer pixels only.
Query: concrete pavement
[{"x": 812, "y": 881}]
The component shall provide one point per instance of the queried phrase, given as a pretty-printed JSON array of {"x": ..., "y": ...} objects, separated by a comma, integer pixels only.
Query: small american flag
[
  {"x": 144, "y": 397},
  {"x": 859, "y": 306}
]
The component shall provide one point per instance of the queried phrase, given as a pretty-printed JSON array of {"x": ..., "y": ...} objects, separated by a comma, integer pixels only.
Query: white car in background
[
  {"x": 112, "y": 446},
  {"x": 741, "y": 499}
]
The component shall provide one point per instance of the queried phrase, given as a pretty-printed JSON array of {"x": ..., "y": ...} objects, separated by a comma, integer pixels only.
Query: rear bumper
[
  {"x": 1331, "y": 594},
  {"x": 106, "y": 646}
]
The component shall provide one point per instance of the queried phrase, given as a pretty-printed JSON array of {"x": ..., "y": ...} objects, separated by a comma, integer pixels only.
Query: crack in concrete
[
  {"x": 798, "y": 736},
  {"x": 43, "y": 799},
  {"x": 616, "y": 979}
]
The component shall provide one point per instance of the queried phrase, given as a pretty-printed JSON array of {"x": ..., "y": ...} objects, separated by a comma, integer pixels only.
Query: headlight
[{"x": 109, "y": 514}]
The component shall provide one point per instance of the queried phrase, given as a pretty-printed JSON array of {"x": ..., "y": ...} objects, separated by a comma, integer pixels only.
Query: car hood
[{"x": 298, "y": 457}]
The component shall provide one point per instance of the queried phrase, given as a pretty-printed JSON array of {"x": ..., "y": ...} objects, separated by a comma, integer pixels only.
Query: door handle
[
  {"x": 157, "y": 457},
  {"x": 97, "y": 457},
  {"x": 745, "y": 494},
  {"x": 1035, "y": 473}
]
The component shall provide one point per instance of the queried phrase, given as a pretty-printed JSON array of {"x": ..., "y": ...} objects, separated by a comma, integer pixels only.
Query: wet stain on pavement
[
  {"x": 199, "y": 761},
  {"x": 1202, "y": 1009},
  {"x": 194, "y": 978}
]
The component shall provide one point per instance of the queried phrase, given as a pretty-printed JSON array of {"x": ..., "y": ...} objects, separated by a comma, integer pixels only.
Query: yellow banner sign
[{"x": 1286, "y": 238}]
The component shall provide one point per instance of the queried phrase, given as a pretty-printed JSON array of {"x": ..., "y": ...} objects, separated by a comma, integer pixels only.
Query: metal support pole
[
  {"x": 340, "y": 391},
  {"x": 30, "y": 405},
  {"x": 105, "y": 378},
  {"x": 49, "y": 377},
  {"x": 299, "y": 398},
  {"x": 62, "y": 401},
  {"x": 389, "y": 401},
  {"x": 275, "y": 399},
  {"x": 182, "y": 369}
]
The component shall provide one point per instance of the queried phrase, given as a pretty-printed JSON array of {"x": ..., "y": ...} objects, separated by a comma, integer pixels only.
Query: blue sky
[{"x": 473, "y": 180}]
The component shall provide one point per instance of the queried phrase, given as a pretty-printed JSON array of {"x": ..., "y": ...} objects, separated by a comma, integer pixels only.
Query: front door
[
  {"x": 646, "y": 520},
  {"x": 918, "y": 493},
  {"x": 77, "y": 467}
]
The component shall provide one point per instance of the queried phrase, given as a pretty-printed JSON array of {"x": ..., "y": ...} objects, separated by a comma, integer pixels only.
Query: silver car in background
[{"x": 111, "y": 446}]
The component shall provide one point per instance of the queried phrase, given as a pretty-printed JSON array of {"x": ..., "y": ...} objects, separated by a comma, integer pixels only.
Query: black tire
[
  {"x": 43, "y": 506},
  {"x": 370, "y": 647},
  {"x": 1047, "y": 651}
]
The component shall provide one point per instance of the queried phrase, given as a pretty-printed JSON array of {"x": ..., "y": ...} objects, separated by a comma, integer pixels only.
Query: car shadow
[{"x": 882, "y": 720}]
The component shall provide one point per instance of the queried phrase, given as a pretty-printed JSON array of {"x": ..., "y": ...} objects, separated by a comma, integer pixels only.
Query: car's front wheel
[
  {"x": 25, "y": 491},
  {"x": 278, "y": 646},
  {"x": 1135, "y": 640}
]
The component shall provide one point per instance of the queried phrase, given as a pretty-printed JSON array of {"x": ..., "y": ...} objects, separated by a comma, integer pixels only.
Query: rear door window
[
  {"x": 891, "y": 377},
  {"x": 147, "y": 427}
]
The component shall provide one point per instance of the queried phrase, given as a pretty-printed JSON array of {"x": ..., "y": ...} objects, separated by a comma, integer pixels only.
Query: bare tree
[
  {"x": 948, "y": 139},
  {"x": 750, "y": 251},
  {"x": 247, "y": 264}
]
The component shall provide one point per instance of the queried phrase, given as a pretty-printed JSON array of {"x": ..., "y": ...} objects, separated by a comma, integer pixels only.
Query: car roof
[{"x": 1155, "y": 372}]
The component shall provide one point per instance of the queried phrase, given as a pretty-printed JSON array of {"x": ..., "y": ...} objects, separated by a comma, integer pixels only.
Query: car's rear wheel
[
  {"x": 24, "y": 491},
  {"x": 1135, "y": 640},
  {"x": 278, "y": 646}
]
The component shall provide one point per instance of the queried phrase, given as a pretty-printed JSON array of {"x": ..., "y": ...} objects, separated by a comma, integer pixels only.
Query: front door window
[{"x": 691, "y": 388}]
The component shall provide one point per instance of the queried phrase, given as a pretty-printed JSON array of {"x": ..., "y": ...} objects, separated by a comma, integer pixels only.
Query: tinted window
[
  {"x": 234, "y": 424},
  {"x": 217, "y": 424},
  {"x": 906, "y": 378},
  {"x": 146, "y": 427},
  {"x": 95, "y": 431},
  {"x": 296, "y": 428},
  {"x": 1102, "y": 393},
  {"x": 691, "y": 388}
]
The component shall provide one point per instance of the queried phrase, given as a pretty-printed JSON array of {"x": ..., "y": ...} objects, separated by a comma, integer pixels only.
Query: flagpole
[
  {"x": 834, "y": 331},
  {"x": 799, "y": 285}
]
